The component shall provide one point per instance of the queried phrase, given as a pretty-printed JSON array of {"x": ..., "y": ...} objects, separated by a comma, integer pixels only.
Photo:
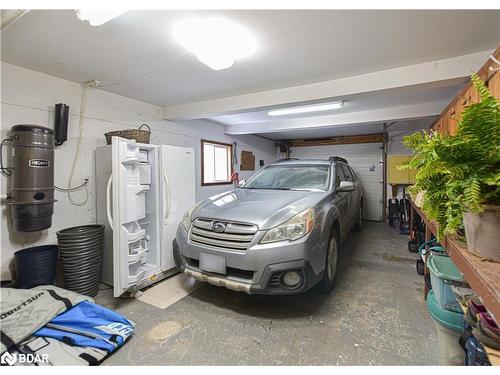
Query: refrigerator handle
[
  {"x": 166, "y": 201},
  {"x": 108, "y": 201}
]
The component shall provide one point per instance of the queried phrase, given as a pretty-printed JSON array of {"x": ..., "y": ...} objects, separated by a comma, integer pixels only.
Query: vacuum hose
[{"x": 80, "y": 251}]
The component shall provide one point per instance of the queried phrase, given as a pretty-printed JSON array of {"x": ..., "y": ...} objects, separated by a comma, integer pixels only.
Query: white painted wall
[{"x": 28, "y": 97}]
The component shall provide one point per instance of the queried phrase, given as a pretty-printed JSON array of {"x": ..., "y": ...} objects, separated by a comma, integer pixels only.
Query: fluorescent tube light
[
  {"x": 306, "y": 109},
  {"x": 97, "y": 17},
  {"x": 215, "y": 41}
]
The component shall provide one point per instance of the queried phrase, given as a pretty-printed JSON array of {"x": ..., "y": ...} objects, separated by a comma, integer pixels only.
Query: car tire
[
  {"x": 359, "y": 223},
  {"x": 327, "y": 284}
]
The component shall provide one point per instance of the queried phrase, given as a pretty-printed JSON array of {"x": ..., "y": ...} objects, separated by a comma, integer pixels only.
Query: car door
[
  {"x": 349, "y": 176},
  {"x": 341, "y": 200},
  {"x": 358, "y": 192}
]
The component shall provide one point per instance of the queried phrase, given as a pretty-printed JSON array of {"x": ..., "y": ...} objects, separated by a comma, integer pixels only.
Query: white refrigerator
[{"x": 142, "y": 193}]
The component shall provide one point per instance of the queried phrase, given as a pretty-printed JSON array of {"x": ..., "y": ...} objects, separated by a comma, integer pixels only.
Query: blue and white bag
[{"x": 90, "y": 325}]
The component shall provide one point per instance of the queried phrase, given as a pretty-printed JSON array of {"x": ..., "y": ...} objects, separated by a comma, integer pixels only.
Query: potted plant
[{"x": 461, "y": 175}]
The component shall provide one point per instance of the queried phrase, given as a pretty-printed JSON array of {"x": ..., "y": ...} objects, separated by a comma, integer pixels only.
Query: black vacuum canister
[{"x": 32, "y": 181}]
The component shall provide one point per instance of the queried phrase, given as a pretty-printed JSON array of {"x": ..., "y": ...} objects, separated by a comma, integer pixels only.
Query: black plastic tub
[
  {"x": 36, "y": 266},
  {"x": 81, "y": 257}
]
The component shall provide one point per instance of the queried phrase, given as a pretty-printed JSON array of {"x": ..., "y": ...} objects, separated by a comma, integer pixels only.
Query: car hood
[{"x": 265, "y": 208}]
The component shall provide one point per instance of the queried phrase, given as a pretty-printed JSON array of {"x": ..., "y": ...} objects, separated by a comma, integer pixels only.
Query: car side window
[
  {"x": 339, "y": 175},
  {"x": 348, "y": 174},
  {"x": 352, "y": 172}
]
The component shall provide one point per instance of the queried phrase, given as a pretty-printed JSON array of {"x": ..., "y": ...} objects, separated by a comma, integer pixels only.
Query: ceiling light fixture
[
  {"x": 97, "y": 17},
  {"x": 306, "y": 109},
  {"x": 215, "y": 41}
]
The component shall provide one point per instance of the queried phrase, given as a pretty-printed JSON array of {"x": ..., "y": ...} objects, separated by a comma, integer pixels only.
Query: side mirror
[
  {"x": 346, "y": 186},
  {"x": 241, "y": 183}
]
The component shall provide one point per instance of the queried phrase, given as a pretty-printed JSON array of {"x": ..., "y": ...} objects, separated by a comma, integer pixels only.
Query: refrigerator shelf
[
  {"x": 138, "y": 256},
  {"x": 134, "y": 232},
  {"x": 134, "y": 279}
]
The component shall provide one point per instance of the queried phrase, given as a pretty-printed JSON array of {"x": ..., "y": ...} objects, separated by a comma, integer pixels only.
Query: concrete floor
[{"x": 375, "y": 316}]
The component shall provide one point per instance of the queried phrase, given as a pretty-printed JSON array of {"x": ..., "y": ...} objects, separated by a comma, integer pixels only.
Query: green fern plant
[{"x": 460, "y": 172}]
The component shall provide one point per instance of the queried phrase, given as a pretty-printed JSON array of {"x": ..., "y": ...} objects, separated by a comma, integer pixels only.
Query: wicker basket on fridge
[{"x": 140, "y": 135}]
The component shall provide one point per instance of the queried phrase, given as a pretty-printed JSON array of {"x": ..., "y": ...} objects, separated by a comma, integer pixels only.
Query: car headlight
[
  {"x": 295, "y": 228},
  {"x": 186, "y": 220}
]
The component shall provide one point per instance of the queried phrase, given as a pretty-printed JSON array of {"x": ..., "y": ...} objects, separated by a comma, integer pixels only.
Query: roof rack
[
  {"x": 285, "y": 159},
  {"x": 337, "y": 158}
]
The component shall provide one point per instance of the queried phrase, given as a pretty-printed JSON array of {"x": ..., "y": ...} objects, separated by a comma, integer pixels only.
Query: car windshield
[{"x": 291, "y": 177}]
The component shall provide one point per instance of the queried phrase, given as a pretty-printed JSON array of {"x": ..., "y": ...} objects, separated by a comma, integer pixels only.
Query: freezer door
[
  {"x": 129, "y": 216},
  {"x": 179, "y": 188}
]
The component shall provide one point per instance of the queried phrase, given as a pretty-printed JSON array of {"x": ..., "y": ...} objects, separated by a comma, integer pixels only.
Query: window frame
[
  {"x": 228, "y": 145},
  {"x": 349, "y": 170}
]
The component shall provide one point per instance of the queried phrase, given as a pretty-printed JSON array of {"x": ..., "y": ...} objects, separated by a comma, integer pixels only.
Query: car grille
[
  {"x": 274, "y": 282},
  {"x": 237, "y": 236}
]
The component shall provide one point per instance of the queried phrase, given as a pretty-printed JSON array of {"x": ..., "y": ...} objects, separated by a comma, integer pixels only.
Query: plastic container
[
  {"x": 449, "y": 326},
  {"x": 81, "y": 251},
  {"x": 444, "y": 275},
  {"x": 36, "y": 266}
]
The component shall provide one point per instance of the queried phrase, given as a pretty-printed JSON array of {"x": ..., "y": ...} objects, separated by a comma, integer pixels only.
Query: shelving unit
[{"x": 483, "y": 276}]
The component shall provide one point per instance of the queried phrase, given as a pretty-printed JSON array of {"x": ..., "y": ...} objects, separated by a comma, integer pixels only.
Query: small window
[
  {"x": 216, "y": 163},
  {"x": 352, "y": 172},
  {"x": 339, "y": 177},
  {"x": 348, "y": 174}
]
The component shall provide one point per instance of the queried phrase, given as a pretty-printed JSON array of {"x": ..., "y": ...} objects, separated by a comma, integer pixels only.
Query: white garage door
[{"x": 365, "y": 160}]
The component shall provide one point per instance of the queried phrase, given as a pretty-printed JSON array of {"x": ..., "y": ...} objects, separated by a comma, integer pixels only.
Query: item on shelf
[
  {"x": 482, "y": 232},
  {"x": 429, "y": 247},
  {"x": 463, "y": 294},
  {"x": 31, "y": 196},
  {"x": 81, "y": 252},
  {"x": 139, "y": 135},
  {"x": 473, "y": 310},
  {"x": 449, "y": 325},
  {"x": 445, "y": 274},
  {"x": 487, "y": 331},
  {"x": 419, "y": 198},
  {"x": 35, "y": 266},
  {"x": 475, "y": 354}
]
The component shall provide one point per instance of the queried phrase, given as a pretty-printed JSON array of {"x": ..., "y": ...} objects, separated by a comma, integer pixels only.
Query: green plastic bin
[
  {"x": 449, "y": 325},
  {"x": 444, "y": 275}
]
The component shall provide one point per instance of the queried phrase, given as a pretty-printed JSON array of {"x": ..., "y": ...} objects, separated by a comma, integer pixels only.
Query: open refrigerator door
[{"x": 134, "y": 213}]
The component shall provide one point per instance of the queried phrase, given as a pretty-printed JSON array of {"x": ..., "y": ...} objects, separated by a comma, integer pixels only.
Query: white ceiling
[
  {"x": 356, "y": 103},
  {"x": 295, "y": 47},
  {"x": 358, "y": 129}
]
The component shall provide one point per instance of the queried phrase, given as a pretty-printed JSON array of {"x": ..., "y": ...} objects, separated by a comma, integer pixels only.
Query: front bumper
[{"x": 262, "y": 266}]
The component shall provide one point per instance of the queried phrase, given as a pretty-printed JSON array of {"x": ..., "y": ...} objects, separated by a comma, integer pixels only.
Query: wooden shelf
[{"x": 482, "y": 276}]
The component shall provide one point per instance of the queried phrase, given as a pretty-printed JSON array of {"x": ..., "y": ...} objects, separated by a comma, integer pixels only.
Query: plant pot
[
  {"x": 482, "y": 232},
  {"x": 419, "y": 199}
]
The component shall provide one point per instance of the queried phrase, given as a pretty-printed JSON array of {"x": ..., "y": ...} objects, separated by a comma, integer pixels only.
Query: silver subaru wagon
[{"x": 280, "y": 232}]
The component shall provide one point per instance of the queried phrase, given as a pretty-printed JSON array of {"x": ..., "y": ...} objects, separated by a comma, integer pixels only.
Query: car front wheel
[{"x": 332, "y": 256}]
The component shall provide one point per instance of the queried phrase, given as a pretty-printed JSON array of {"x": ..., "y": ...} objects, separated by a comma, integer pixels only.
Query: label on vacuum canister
[{"x": 39, "y": 163}]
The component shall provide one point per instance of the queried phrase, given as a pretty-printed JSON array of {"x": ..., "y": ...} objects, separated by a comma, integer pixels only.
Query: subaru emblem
[{"x": 218, "y": 227}]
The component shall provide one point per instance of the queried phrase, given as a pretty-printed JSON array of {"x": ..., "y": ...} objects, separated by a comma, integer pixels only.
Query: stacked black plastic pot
[
  {"x": 80, "y": 251},
  {"x": 35, "y": 266}
]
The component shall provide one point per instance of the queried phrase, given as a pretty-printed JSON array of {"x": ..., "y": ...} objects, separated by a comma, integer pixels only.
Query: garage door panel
[{"x": 364, "y": 159}]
